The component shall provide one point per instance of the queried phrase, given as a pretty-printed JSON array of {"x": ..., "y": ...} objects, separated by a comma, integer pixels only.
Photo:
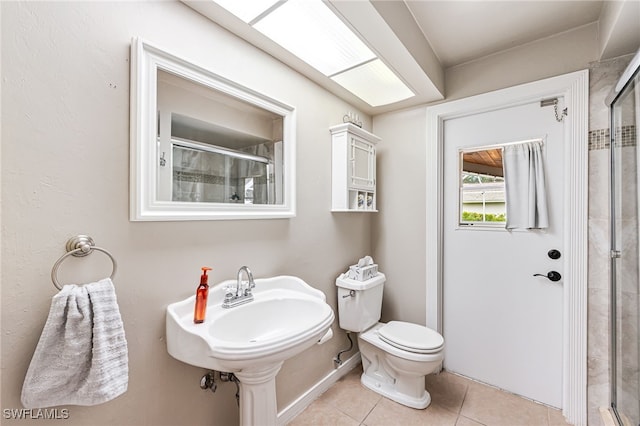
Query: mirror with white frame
[{"x": 204, "y": 147}]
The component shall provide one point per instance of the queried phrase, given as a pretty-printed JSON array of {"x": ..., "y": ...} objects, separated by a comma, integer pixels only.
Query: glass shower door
[
  {"x": 209, "y": 174},
  {"x": 625, "y": 292}
]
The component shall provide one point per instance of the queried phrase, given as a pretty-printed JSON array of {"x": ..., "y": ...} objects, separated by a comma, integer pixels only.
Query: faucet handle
[
  {"x": 228, "y": 294},
  {"x": 247, "y": 287}
]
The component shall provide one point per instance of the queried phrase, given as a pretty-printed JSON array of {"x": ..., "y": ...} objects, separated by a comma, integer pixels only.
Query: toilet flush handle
[{"x": 352, "y": 293}]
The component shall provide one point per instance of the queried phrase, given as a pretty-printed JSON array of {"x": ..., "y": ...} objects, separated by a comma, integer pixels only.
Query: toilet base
[{"x": 389, "y": 391}]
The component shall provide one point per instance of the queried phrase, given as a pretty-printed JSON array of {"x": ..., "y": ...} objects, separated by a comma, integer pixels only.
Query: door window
[{"x": 482, "y": 194}]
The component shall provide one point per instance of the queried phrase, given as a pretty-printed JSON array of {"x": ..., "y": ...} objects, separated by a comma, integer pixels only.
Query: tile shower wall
[
  {"x": 627, "y": 265},
  {"x": 603, "y": 76}
]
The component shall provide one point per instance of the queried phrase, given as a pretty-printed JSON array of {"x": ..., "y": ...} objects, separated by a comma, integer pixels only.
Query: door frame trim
[{"x": 574, "y": 89}]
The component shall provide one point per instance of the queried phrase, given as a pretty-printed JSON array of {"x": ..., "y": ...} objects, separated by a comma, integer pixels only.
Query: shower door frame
[{"x": 623, "y": 83}]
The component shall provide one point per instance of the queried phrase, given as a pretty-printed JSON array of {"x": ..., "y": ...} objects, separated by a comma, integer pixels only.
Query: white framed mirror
[{"x": 204, "y": 147}]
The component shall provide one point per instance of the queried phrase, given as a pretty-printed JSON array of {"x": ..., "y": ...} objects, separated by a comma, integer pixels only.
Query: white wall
[
  {"x": 65, "y": 171},
  {"x": 399, "y": 228},
  {"x": 549, "y": 57}
]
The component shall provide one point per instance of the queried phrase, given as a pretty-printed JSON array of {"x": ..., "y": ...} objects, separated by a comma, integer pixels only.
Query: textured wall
[
  {"x": 400, "y": 226},
  {"x": 65, "y": 171},
  {"x": 560, "y": 54}
]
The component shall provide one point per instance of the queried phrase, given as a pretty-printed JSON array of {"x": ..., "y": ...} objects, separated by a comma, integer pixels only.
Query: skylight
[
  {"x": 309, "y": 30},
  {"x": 247, "y": 10},
  {"x": 374, "y": 83},
  {"x": 312, "y": 32}
]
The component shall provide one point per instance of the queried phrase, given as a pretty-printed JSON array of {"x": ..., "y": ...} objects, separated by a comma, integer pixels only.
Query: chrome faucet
[
  {"x": 251, "y": 284},
  {"x": 241, "y": 295}
]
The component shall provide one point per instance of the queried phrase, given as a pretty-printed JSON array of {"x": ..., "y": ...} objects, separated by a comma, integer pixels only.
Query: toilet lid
[{"x": 411, "y": 337}]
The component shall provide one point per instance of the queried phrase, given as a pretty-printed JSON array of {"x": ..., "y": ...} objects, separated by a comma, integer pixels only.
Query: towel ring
[{"x": 79, "y": 246}]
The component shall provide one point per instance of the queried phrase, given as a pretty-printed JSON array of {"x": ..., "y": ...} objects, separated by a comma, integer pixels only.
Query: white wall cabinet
[{"x": 353, "y": 174}]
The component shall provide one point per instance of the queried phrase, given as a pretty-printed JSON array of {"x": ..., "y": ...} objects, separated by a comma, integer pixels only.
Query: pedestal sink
[{"x": 251, "y": 340}]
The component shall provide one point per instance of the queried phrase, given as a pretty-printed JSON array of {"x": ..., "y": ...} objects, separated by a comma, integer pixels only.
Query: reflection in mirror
[
  {"x": 222, "y": 150},
  {"x": 482, "y": 192},
  {"x": 204, "y": 147}
]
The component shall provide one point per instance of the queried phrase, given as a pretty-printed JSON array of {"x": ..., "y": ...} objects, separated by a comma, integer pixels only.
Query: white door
[{"x": 502, "y": 325}]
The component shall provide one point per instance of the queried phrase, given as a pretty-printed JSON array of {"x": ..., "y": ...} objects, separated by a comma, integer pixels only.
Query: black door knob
[
  {"x": 554, "y": 254},
  {"x": 552, "y": 275}
]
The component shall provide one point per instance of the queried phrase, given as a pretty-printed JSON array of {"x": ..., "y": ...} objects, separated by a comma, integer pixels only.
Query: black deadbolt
[
  {"x": 552, "y": 275},
  {"x": 554, "y": 254}
]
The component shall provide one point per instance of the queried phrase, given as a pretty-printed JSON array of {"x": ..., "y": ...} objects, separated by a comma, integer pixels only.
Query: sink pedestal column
[{"x": 258, "y": 395}]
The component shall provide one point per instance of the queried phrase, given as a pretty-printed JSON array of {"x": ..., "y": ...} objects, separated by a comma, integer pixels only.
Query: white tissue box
[{"x": 363, "y": 273}]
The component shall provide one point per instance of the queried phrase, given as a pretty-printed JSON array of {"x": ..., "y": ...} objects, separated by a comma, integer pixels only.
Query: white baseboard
[{"x": 296, "y": 407}]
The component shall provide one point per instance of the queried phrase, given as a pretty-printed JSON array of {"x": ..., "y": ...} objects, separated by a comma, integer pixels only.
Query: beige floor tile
[
  {"x": 463, "y": 421},
  {"x": 447, "y": 390},
  {"x": 320, "y": 413},
  {"x": 556, "y": 418},
  {"x": 389, "y": 413},
  {"x": 492, "y": 407},
  {"x": 348, "y": 403},
  {"x": 351, "y": 397}
]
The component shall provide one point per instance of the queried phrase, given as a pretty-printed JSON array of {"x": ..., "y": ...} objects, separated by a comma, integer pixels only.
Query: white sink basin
[
  {"x": 251, "y": 340},
  {"x": 286, "y": 317},
  {"x": 278, "y": 322}
]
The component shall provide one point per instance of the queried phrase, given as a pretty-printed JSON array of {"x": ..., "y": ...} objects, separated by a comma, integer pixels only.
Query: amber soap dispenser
[{"x": 201, "y": 297}]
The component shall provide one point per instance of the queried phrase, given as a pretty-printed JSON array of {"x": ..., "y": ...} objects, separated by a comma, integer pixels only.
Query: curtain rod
[{"x": 496, "y": 146}]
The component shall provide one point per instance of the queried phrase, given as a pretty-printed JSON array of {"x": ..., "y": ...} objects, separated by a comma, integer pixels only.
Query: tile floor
[{"x": 456, "y": 401}]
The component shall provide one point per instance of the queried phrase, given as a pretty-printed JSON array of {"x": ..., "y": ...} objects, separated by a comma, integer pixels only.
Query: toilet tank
[{"x": 359, "y": 302}]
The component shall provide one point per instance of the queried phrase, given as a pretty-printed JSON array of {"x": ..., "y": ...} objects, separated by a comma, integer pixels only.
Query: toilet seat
[{"x": 411, "y": 337}]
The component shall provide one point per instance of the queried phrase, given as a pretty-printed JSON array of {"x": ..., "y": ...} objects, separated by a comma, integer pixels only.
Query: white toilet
[{"x": 395, "y": 356}]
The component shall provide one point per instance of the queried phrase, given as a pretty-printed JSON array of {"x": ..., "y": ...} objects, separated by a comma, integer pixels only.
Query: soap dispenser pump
[{"x": 201, "y": 297}]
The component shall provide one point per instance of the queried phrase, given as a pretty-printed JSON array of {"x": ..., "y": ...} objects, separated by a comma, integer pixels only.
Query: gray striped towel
[{"x": 81, "y": 357}]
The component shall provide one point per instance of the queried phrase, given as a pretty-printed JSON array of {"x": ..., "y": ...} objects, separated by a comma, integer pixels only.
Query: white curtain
[{"x": 525, "y": 186}]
